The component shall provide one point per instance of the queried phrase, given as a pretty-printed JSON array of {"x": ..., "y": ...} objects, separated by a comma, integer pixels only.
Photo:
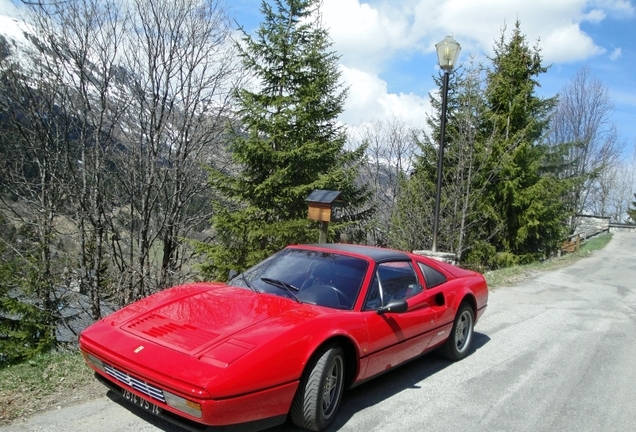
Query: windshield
[{"x": 321, "y": 278}]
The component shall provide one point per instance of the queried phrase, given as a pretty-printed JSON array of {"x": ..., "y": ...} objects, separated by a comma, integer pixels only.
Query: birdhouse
[{"x": 325, "y": 205}]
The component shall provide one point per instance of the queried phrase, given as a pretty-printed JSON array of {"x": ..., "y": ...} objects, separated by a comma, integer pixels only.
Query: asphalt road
[{"x": 555, "y": 353}]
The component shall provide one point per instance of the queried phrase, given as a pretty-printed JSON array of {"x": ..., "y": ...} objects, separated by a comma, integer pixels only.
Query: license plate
[{"x": 141, "y": 402}]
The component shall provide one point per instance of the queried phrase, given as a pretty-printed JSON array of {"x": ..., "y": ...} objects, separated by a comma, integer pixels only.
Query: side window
[
  {"x": 393, "y": 281},
  {"x": 374, "y": 296},
  {"x": 431, "y": 276}
]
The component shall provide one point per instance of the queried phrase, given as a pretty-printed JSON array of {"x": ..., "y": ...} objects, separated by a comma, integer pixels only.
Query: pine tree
[
  {"x": 287, "y": 141},
  {"x": 524, "y": 202},
  {"x": 463, "y": 179},
  {"x": 502, "y": 199},
  {"x": 632, "y": 210},
  {"x": 25, "y": 328}
]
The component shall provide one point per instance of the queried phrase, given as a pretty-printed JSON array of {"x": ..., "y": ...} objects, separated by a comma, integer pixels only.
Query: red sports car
[{"x": 285, "y": 337}]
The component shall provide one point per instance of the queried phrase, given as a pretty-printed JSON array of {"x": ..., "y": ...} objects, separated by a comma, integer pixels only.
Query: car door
[
  {"x": 443, "y": 295},
  {"x": 397, "y": 337}
]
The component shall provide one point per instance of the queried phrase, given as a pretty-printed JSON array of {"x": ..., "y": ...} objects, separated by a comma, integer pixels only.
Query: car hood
[
  {"x": 191, "y": 322},
  {"x": 208, "y": 339}
]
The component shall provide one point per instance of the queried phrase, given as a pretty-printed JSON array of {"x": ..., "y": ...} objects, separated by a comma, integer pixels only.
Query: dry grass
[{"x": 45, "y": 382}]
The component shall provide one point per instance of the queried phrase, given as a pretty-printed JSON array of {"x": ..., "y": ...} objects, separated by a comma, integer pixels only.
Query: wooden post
[{"x": 322, "y": 238}]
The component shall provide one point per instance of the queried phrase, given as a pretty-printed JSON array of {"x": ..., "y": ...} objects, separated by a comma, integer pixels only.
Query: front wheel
[
  {"x": 457, "y": 345},
  {"x": 320, "y": 390}
]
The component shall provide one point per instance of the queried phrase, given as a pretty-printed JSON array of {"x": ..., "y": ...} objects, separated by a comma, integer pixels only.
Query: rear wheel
[
  {"x": 320, "y": 390},
  {"x": 458, "y": 343}
]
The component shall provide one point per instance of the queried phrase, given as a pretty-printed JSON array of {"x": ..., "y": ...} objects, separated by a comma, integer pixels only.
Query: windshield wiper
[
  {"x": 286, "y": 286},
  {"x": 253, "y": 288}
]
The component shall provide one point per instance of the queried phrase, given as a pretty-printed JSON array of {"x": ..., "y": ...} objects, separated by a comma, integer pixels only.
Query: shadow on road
[
  {"x": 388, "y": 385},
  {"x": 369, "y": 394}
]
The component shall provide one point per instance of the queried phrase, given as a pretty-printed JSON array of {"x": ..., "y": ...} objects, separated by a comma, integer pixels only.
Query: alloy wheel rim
[
  {"x": 463, "y": 332},
  {"x": 332, "y": 387}
]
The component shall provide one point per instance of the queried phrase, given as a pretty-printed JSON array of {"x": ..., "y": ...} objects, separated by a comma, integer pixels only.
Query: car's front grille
[{"x": 137, "y": 384}]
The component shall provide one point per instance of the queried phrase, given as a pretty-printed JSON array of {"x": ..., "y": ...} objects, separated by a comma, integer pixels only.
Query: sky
[{"x": 388, "y": 58}]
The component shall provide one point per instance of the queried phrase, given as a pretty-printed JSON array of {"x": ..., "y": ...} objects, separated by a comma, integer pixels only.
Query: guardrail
[
  {"x": 571, "y": 245},
  {"x": 615, "y": 226},
  {"x": 588, "y": 226}
]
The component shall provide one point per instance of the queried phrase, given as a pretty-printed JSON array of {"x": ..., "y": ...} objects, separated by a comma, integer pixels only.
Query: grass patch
[
  {"x": 596, "y": 243},
  {"x": 512, "y": 275},
  {"x": 44, "y": 382}
]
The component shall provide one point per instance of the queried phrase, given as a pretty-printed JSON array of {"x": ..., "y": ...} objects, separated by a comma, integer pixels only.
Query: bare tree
[
  {"x": 123, "y": 107},
  {"x": 80, "y": 42},
  {"x": 582, "y": 118},
  {"x": 612, "y": 191},
  {"x": 390, "y": 149},
  {"x": 33, "y": 192},
  {"x": 182, "y": 70}
]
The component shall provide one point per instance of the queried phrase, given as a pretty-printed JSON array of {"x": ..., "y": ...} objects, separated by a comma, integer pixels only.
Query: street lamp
[{"x": 447, "y": 52}]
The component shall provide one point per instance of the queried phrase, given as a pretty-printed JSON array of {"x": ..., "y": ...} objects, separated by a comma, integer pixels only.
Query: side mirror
[
  {"x": 396, "y": 306},
  {"x": 231, "y": 274}
]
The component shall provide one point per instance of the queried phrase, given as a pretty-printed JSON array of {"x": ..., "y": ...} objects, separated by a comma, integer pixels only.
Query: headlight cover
[{"x": 182, "y": 404}]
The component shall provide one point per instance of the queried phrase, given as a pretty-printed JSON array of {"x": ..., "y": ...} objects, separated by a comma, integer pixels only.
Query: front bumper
[{"x": 249, "y": 412}]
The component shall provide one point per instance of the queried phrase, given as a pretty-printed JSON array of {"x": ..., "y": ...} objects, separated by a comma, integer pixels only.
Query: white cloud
[
  {"x": 554, "y": 23},
  {"x": 368, "y": 34},
  {"x": 369, "y": 100},
  {"x": 569, "y": 44},
  {"x": 618, "y": 8},
  {"x": 594, "y": 16},
  {"x": 364, "y": 35},
  {"x": 616, "y": 54},
  {"x": 372, "y": 34}
]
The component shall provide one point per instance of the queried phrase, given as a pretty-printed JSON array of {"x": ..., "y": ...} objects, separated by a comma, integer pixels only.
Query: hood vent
[{"x": 166, "y": 332}]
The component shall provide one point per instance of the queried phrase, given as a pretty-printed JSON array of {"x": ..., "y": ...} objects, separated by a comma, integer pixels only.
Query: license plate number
[{"x": 141, "y": 402}]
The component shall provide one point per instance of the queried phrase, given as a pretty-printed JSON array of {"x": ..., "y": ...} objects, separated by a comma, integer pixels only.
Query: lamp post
[{"x": 447, "y": 52}]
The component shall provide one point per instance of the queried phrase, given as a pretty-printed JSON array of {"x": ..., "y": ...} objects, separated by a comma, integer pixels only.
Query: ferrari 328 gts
[{"x": 285, "y": 337}]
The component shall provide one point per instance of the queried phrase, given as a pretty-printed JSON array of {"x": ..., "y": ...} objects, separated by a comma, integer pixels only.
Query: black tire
[
  {"x": 320, "y": 390},
  {"x": 458, "y": 343}
]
